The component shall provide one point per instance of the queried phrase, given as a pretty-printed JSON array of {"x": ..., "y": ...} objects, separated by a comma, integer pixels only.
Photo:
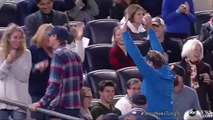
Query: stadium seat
[
  {"x": 100, "y": 31},
  {"x": 201, "y": 17},
  {"x": 124, "y": 74},
  {"x": 96, "y": 76},
  {"x": 23, "y": 11},
  {"x": 8, "y": 14},
  {"x": 97, "y": 57}
]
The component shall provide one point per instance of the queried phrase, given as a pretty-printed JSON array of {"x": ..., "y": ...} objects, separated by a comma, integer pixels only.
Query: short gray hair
[{"x": 189, "y": 46}]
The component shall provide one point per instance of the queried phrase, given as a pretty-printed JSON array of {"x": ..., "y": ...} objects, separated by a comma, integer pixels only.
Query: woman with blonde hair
[
  {"x": 198, "y": 72},
  {"x": 41, "y": 59},
  {"x": 15, "y": 65}
]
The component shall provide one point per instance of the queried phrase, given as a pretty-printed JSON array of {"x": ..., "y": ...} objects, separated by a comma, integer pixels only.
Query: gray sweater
[{"x": 185, "y": 100}]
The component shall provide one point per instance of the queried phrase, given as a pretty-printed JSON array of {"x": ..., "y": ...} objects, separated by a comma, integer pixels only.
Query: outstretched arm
[
  {"x": 155, "y": 43},
  {"x": 138, "y": 59}
]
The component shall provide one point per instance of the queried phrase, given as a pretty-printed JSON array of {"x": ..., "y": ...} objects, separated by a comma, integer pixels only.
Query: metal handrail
[{"x": 49, "y": 112}]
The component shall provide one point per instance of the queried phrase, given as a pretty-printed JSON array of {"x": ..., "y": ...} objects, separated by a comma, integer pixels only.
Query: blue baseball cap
[
  {"x": 138, "y": 99},
  {"x": 61, "y": 32}
]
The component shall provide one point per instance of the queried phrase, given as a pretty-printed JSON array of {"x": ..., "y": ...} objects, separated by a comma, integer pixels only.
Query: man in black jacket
[
  {"x": 45, "y": 14},
  {"x": 171, "y": 47},
  {"x": 206, "y": 37}
]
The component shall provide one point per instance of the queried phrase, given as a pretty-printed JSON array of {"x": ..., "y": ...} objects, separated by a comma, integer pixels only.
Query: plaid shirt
[{"x": 65, "y": 81}]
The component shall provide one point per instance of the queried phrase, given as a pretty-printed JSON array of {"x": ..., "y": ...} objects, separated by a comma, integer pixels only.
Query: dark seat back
[
  {"x": 23, "y": 11},
  {"x": 201, "y": 17},
  {"x": 8, "y": 13},
  {"x": 96, "y": 76},
  {"x": 125, "y": 74},
  {"x": 97, "y": 57},
  {"x": 100, "y": 31}
]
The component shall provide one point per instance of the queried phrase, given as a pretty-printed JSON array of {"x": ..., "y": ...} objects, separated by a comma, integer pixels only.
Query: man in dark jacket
[
  {"x": 45, "y": 14},
  {"x": 171, "y": 47},
  {"x": 206, "y": 37}
]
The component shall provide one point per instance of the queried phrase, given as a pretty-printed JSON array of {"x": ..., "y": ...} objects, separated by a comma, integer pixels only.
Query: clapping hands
[{"x": 184, "y": 8}]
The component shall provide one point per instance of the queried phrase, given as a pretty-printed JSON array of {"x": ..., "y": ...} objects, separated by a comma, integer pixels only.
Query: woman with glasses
[{"x": 86, "y": 98}]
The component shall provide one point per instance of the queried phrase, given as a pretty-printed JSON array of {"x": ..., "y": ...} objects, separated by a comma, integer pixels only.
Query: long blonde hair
[
  {"x": 5, "y": 45},
  {"x": 38, "y": 37}
]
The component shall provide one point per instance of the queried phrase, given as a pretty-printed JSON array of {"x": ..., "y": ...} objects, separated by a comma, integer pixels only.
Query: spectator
[
  {"x": 124, "y": 104},
  {"x": 66, "y": 76},
  {"x": 135, "y": 25},
  {"x": 41, "y": 52},
  {"x": 84, "y": 11},
  {"x": 198, "y": 72},
  {"x": 15, "y": 65},
  {"x": 77, "y": 45},
  {"x": 118, "y": 54},
  {"x": 139, "y": 104},
  {"x": 46, "y": 14},
  {"x": 206, "y": 37},
  {"x": 185, "y": 97},
  {"x": 107, "y": 92},
  {"x": 171, "y": 47},
  {"x": 154, "y": 70},
  {"x": 179, "y": 17},
  {"x": 118, "y": 8},
  {"x": 86, "y": 98}
]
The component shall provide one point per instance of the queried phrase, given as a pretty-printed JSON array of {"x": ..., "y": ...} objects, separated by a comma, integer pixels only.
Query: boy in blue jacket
[{"x": 158, "y": 83}]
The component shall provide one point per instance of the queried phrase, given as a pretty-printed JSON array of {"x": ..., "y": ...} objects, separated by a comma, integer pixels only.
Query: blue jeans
[
  {"x": 37, "y": 115},
  {"x": 5, "y": 114}
]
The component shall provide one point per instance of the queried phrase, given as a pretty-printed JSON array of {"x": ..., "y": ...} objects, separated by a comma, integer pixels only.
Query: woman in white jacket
[
  {"x": 79, "y": 41},
  {"x": 15, "y": 65}
]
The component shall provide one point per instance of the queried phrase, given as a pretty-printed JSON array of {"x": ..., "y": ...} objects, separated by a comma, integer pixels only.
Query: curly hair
[{"x": 5, "y": 45}]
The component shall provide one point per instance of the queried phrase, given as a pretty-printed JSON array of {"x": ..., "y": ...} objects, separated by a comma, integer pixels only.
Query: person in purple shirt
[{"x": 66, "y": 76}]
